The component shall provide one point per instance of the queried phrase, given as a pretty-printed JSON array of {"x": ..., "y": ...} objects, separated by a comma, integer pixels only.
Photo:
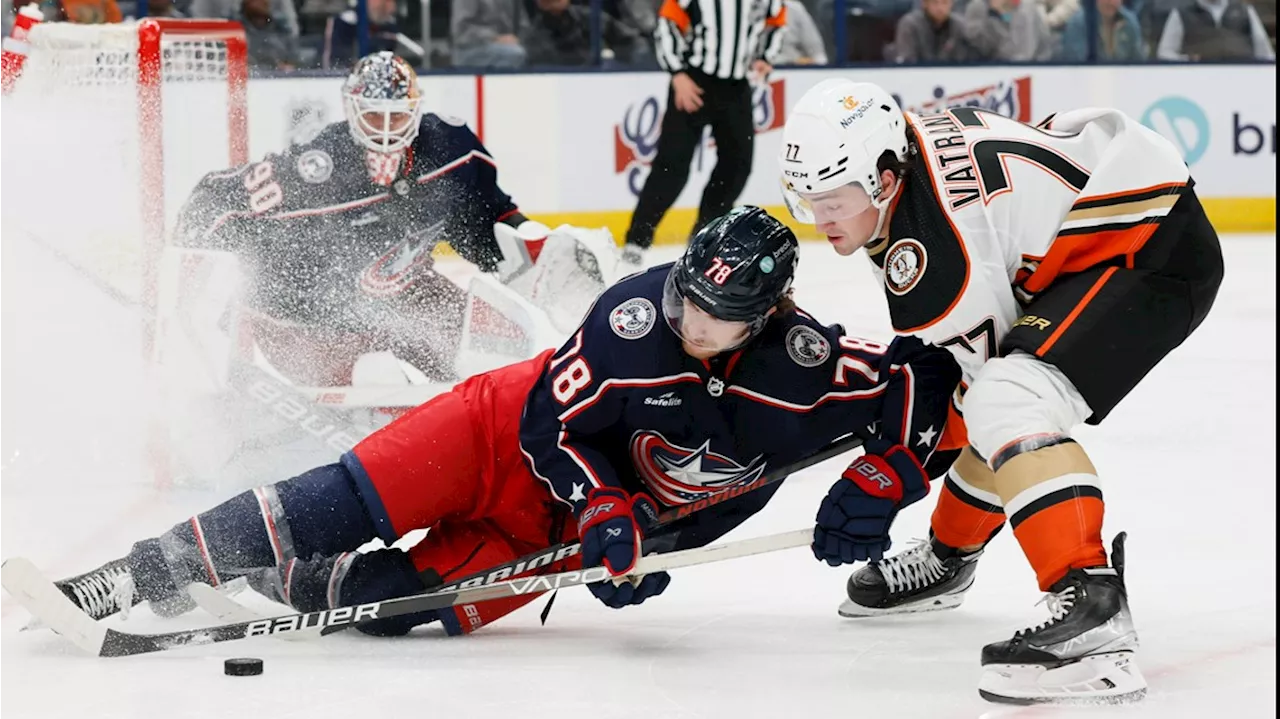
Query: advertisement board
[{"x": 577, "y": 148}]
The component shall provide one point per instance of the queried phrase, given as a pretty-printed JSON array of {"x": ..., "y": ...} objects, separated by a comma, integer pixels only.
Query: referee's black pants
[{"x": 726, "y": 107}]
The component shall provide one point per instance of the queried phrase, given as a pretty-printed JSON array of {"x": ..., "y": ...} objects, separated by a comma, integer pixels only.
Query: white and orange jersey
[{"x": 993, "y": 210}]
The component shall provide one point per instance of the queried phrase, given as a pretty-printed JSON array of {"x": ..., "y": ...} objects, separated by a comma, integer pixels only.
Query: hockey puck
[{"x": 242, "y": 667}]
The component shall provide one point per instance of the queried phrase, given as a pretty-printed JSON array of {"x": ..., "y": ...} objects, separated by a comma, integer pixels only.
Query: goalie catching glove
[
  {"x": 611, "y": 528},
  {"x": 854, "y": 518}
]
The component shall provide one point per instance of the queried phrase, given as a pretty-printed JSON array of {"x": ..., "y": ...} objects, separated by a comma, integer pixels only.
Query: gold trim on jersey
[{"x": 1128, "y": 208}]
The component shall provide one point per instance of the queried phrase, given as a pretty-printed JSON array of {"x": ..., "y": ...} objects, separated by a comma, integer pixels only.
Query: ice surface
[{"x": 1187, "y": 464}]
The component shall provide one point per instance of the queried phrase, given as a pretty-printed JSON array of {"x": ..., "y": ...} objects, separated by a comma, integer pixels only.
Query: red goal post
[{"x": 118, "y": 122}]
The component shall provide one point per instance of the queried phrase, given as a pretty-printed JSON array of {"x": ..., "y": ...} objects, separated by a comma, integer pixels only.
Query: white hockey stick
[{"x": 44, "y": 600}]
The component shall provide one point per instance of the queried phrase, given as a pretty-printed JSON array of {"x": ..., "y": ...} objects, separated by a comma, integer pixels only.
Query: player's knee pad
[
  {"x": 319, "y": 512},
  {"x": 1017, "y": 404},
  {"x": 973, "y": 475},
  {"x": 323, "y": 510}
]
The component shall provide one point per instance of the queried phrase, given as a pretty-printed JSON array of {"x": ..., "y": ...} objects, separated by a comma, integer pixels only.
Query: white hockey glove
[{"x": 573, "y": 267}]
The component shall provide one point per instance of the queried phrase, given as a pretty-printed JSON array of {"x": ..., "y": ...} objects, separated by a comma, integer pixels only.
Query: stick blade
[
  {"x": 47, "y": 603},
  {"x": 227, "y": 609}
]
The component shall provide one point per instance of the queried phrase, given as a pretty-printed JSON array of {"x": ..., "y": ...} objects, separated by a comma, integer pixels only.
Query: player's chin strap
[{"x": 883, "y": 206}]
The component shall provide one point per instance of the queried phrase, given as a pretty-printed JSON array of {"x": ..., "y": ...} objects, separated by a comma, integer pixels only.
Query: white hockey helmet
[
  {"x": 834, "y": 137},
  {"x": 382, "y": 102}
]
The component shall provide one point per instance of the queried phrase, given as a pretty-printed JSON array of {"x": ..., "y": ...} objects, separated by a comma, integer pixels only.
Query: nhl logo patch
[
  {"x": 633, "y": 319},
  {"x": 806, "y": 347},
  {"x": 315, "y": 166},
  {"x": 904, "y": 265}
]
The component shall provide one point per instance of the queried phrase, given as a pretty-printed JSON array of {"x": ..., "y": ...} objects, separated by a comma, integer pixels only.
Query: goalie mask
[
  {"x": 718, "y": 295},
  {"x": 382, "y": 103}
]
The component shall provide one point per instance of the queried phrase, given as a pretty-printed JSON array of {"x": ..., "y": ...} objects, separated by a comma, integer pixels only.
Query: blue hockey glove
[
  {"x": 854, "y": 518},
  {"x": 611, "y": 528}
]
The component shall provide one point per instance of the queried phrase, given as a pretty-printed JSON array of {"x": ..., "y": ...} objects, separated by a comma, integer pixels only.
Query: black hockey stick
[
  {"x": 48, "y": 603},
  {"x": 60, "y": 614},
  {"x": 555, "y": 553}
]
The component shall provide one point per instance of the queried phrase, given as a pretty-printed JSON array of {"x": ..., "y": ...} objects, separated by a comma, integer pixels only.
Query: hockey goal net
[{"x": 107, "y": 130}]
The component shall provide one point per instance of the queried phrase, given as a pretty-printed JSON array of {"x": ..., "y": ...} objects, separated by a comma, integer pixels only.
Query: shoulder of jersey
[
  {"x": 314, "y": 161},
  {"x": 924, "y": 264},
  {"x": 444, "y": 129},
  {"x": 443, "y": 121},
  {"x": 628, "y": 315},
  {"x": 798, "y": 341}
]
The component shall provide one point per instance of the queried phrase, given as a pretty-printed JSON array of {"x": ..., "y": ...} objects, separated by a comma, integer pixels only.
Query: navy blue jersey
[
  {"x": 621, "y": 404},
  {"x": 326, "y": 243}
]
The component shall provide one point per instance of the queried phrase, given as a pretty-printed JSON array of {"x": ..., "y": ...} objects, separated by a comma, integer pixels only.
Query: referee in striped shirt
[{"x": 709, "y": 47}]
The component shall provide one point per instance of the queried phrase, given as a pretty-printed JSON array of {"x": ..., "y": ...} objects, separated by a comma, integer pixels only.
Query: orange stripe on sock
[
  {"x": 957, "y": 523},
  {"x": 1061, "y": 537}
]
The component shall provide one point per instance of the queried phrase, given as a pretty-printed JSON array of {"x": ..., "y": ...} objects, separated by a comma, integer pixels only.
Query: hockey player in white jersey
[{"x": 1059, "y": 263}]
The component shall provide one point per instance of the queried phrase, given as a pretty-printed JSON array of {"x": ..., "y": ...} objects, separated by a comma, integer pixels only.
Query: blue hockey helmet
[{"x": 736, "y": 268}]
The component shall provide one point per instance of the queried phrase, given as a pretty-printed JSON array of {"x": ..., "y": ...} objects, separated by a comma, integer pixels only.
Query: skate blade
[
  {"x": 1112, "y": 678},
  {"x": 849, "y": 610}
]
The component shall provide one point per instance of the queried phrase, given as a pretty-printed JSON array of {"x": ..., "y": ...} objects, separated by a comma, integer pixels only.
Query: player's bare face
[
  {"x": 845, "y": 215},
  {"x": 704, "y": 336},
  {"x": 850, "y": 235}
]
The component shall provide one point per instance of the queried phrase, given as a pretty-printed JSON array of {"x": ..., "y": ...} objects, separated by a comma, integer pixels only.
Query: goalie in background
[
  {"x": 682, "y": 381},
  {"x": 315, "y": 264}
]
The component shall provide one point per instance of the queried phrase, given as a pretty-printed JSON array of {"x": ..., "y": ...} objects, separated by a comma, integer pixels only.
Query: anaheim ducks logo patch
[
  {"x": 904, "y": 265},
  {"x": 806, "y": 347}
]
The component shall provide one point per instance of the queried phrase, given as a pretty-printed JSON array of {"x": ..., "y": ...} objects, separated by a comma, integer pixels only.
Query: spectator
[
  {"x": 283, "y": 14},
  {"x": 271, "y": 46},
  {"x": 560, "y": 34},
  {"x": 642, "y": 15},
  {"x": 163, "y": 8},
  {"x": 485, "y": 33},
  {"x": 1266, "y": 10},
  {"x": 1214, "y": 30},
  {"x": 933, "y": 33},
  {"x": 801, "y": 43},
  {"x": 313, "y": 15},
  {"x": 1119, "y": 35},
  {"x": 1056, "y": 13},
  {"x": 341, "y": 36},
  {"x": 91, "y": 12},
  {"x": 1010, "y": 30}
]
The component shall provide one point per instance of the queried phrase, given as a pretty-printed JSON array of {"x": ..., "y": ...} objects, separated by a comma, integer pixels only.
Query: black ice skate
[
  {"x": 104, "y": 591},
  {"x": 145, "y": 575},
  {"x": 925, "y": 578},
  {"x": 1084, "y": 653}
]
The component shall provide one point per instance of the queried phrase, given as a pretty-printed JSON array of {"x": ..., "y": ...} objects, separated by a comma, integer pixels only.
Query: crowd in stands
[{"x": 514, "y": 34}]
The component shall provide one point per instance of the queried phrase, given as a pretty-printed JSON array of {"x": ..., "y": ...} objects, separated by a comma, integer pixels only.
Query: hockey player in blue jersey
[
  {"x": 682, "y": 380},
  {"x": 335, "y": 235}
]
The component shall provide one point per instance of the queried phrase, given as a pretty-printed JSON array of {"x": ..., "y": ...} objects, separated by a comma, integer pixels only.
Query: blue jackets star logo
[{"x": 678, "y": 475}]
